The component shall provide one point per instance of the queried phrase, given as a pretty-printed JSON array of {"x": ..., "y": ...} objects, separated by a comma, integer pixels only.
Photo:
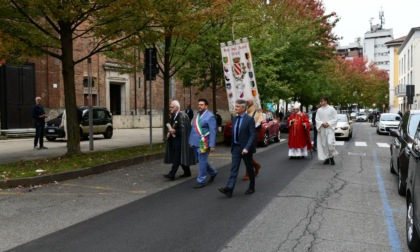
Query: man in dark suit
[
  {"x": 189, "y": 112},
  {"x": 243, "y": 134}
]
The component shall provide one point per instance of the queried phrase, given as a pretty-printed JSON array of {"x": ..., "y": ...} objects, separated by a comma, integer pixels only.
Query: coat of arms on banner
[{"x": 238, "y": 69}]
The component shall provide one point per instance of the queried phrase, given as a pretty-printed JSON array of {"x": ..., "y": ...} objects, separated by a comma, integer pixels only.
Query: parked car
[
  {"x": 387, "y": 122},
  {"x": 270, "y": 130},
  {"x": 401, "y": 143},
  {"x": 102, "y": 124},
  {"x": 361, "y": 117},
  {"x": 353, "y": 115},
  {"x": 413, "y": 194},
  {"x": 344, "y": 129}
]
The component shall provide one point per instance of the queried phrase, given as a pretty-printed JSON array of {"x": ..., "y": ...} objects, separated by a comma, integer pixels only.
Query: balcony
[{"x": 400, "y": 90}]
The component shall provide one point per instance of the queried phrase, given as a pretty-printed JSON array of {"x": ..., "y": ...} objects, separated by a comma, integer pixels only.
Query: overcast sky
[{"x": 400, "y": 15}]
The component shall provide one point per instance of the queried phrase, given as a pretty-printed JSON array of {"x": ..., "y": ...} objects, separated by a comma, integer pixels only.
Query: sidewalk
[{"x": 14, "y": 150}]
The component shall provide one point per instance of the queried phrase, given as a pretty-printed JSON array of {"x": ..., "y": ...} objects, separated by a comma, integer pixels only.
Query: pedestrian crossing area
[{"x": 363, "y": 144}]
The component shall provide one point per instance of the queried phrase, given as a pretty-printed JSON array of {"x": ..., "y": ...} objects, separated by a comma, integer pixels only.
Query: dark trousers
[
  {"x": 39, "y": 133},
  {"x": 177, "y": 161},
  {"x": 315, "y": 137},
  {"x": 236, "y": 163}
]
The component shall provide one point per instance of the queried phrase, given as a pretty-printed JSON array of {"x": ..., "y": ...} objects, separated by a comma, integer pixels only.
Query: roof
[
  {"x": 396, "y": 42},
  {"x": 408, "y": 37}
]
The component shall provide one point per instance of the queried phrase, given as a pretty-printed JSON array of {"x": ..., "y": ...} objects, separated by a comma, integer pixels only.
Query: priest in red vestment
[{"x": 299, "y": 133}]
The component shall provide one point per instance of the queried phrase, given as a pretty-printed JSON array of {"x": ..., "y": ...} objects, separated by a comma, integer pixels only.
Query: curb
[{"x": 51, "y": 178}]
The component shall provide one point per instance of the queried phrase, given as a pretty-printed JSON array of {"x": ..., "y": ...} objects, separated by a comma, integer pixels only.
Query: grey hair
[
  {"x": 242, "y": 102},
  {"x": 176, "y": 104}
]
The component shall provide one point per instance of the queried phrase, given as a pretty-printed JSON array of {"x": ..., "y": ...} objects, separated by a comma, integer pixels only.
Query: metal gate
[{"x": 17, "y": 93}]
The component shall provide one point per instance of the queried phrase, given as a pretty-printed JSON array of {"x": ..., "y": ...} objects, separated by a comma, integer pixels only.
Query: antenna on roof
[
  {"x": 371, "y": 26},
  {"x": 382, "y": 18}
]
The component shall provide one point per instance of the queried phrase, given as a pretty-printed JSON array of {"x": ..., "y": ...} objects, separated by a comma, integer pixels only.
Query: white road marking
[
  {"x": 383, "y": 145},
  {"x": 360, "y": 144},
  {"x": 339, "y": 142}
]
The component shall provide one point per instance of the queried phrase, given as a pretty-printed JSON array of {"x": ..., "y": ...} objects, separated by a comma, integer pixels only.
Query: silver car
[{"x": 387, "y": 122}]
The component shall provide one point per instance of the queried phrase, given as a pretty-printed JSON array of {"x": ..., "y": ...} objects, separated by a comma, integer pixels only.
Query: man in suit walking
[
  {"x": 242, "y": 148},
  {"x": 203, "y": 140}
]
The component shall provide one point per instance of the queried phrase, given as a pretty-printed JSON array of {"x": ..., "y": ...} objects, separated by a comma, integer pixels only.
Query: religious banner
[{"x": 239, "y": 73}]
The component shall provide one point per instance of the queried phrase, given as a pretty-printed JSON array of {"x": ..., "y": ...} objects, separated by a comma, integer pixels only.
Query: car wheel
[
  {"x": 377, "y": 131},
  {"x": 108, "y": 133},
  {"x": 277, "y": 138},
  {"x": 391, "y": 167},
  {"x": 413, "y": 240},
  {"x": 401, "y": 185},
  {"x": 83, "y": 136},
  {"x": 51, "y": 138},
  {"x": 265, "y": 140}
]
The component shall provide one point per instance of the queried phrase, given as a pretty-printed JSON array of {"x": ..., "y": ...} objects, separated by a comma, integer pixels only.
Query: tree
[
  {"x": 177, "y": 26},
  {"x": 53, "y": 27}
]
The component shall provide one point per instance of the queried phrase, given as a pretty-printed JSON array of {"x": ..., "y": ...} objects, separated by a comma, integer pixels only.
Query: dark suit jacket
[{"x": 246, "y": 133}]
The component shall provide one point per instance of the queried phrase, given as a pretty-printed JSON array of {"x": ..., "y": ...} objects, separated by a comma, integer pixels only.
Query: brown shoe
[
  {"x": 246, "y": 177},
  {"x": 257, "y": 167}
]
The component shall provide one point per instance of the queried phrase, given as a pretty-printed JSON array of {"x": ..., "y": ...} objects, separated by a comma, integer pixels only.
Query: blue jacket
[
  {"x": 247, "y": 133},
  {"x": 208, "y": 124}
]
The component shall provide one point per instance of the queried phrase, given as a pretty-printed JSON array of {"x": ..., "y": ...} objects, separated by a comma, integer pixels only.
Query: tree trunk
[{"x": 73, "y": 132}]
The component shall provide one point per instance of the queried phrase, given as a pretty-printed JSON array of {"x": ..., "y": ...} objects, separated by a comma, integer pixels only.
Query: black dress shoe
[
  {"x": 212, "y": 178},
  {"x": 327, "y": 161},
  {"x": 250, "y": 190},
  {"x": 332, "y": 161},
  {"x": 169, "y": 177},
  {"x": 185, "y": 175},
  {"x": 198, "y": 186},
  {"x": 226, "y": 190}
]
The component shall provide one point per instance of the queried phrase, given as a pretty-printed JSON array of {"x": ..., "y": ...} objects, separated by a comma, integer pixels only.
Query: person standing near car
[
  {"x": 38, "y": 115},
  {"x": 258, "y": 118},
  {"x": 326, "y": 121},
  {"x": 203, "y": 140},
  {"x": 242, "y": 147},
  {"x": 299, "y": 133},
  {"x": 178, "y": 151},
  {"x": 64, "y": 124}
]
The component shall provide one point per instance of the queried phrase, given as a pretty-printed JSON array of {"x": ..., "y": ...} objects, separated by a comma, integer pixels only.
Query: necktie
[{"x": 238, "y": 121}]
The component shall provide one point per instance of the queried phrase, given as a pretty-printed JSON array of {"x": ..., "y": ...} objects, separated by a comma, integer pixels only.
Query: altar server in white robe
[{"x": 326, "y": 121}]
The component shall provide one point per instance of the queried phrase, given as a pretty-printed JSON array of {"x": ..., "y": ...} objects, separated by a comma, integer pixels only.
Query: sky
[{"x": 355, "y": 15}]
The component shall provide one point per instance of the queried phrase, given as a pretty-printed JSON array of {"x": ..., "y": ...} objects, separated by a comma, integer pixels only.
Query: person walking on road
[
  {"x": 299, "y": 130},
  {"x": 314, "y": 109},
  {"x": 203, "y": 140},
  {"x": 242, "y": 147},
  {"x": 258, "y": 118},
  {"x": 38, "y": 115},
  {"x": 326, "y": 121},
  {"x": 178, "y": 151},
  {"x": 189, "y": 112}
]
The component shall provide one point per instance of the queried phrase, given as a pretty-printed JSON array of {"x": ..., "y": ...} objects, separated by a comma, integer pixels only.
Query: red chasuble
[{"x": 298, "y": 136}]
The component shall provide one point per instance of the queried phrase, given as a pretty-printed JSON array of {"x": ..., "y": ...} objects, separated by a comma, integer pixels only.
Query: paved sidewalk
[{"x": 22, "y": 149}]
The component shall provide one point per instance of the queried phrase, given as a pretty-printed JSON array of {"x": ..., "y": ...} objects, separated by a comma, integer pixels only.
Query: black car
[
  {"x": 413, "y": 194},
  {"x": 283, "y": 124},
  {"x": 102, "y": 124},
  {"x": 401, "y": 142}
]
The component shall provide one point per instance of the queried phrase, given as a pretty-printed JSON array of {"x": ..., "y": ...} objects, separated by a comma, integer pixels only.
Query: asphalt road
[{"x": 299, "y": 205}]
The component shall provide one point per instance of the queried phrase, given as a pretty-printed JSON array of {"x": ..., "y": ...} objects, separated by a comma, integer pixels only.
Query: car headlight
[{"x": 344, "y": 128}]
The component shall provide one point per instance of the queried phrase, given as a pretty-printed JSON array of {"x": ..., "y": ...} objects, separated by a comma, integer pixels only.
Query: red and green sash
[{"x": 204, "y": 143}]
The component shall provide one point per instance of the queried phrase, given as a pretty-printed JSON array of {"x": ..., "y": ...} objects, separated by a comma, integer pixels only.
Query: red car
[{"x": 270, "y": 130}]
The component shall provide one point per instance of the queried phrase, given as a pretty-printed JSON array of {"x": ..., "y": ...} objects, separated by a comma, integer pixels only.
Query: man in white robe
[{"x": 326, "y": 121}]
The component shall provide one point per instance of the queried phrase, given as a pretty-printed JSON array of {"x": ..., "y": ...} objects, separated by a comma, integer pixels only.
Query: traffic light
[{"x": 150, "y": 64}]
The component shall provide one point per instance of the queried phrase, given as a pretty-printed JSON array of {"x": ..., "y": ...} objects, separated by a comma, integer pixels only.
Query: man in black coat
[
  {"x": 38, "y": 115},
  {"x": 189, "y": 112},
  {"x": 243, "y": 135},
  {"x": 178, "y": 151}
]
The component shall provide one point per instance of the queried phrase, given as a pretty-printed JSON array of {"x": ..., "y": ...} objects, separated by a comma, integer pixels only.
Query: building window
[{"x": 85, "y": 83}]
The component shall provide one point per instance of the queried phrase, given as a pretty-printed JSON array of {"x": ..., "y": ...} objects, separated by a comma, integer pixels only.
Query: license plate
[{"x": 51, "y": 131}]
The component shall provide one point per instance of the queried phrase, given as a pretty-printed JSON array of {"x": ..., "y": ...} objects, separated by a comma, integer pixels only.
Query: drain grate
[{"x": 362, "y": 154}]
